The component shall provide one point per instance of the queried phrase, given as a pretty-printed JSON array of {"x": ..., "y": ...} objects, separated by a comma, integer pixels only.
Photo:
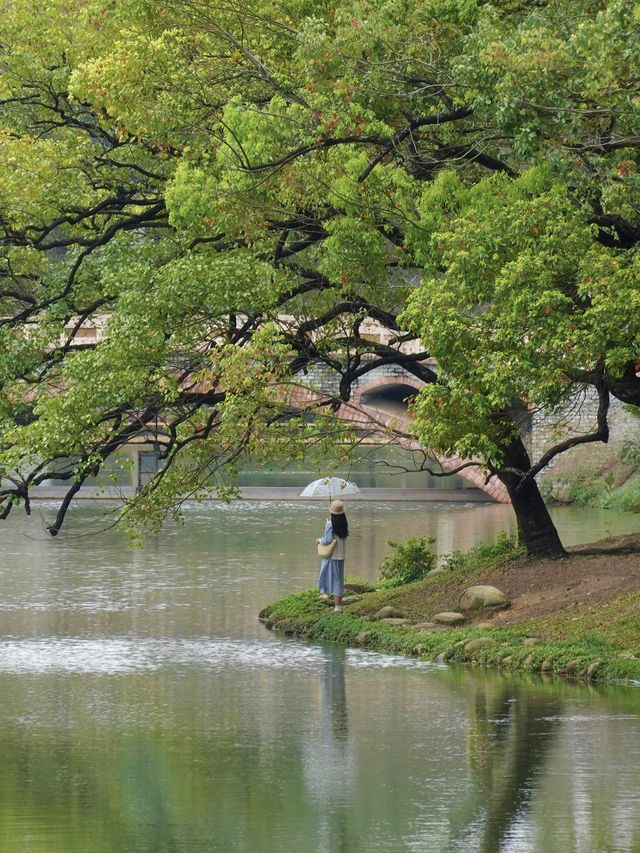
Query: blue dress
[{"x": 331, "y": 578}]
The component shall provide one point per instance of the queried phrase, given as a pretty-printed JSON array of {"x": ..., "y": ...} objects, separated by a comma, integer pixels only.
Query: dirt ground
[{"x": 594, "y": 573}]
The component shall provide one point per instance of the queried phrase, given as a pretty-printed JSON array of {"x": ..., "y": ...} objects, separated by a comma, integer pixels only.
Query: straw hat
[{"x": 336, "y": 508}]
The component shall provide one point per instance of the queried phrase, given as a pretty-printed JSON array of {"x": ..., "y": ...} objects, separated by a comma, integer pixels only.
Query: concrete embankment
[{"x": 283, "y": 493}]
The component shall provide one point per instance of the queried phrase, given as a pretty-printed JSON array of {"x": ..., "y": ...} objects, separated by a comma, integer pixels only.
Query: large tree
[
  {"x": 530, "y": 293},
  {"x": 227, "y": 191}
]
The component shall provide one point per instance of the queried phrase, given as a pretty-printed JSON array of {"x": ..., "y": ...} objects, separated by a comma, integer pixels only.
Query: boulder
[
  {"x": 592, "y": 668},
  {"x": 391, "y": 620},
  {"x": 448, "y": 618},
  {"x": 361, "y": 638},
  {"x": 482, "y": 597},
  {"x": 388, "y": 612},
  {"x": 478, "y": 644},
  {"x": 530, "y": 641}
]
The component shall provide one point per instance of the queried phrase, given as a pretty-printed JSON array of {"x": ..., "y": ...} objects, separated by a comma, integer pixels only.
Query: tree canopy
[{"x": 227, "y": 191}]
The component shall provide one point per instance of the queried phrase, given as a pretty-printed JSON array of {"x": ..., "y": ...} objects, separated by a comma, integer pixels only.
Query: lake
[{"x": 143, "y": 706}]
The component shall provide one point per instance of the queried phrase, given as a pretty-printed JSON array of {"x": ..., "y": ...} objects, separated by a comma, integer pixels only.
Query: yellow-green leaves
[
  {"x": 197, "y": 197},
  {"x": 522, "y": 300},
  {"x": 353, "y": 255}
]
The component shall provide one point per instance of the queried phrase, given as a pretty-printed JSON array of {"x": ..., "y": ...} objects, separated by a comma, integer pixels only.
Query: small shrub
[
  {"x": 590, "y": 494},
  {"x": 453, "y": 561},
  {"x": 411, "y": 561},
  {"x": 486, "y": 555},
  {"x": 504, "y": 544}
]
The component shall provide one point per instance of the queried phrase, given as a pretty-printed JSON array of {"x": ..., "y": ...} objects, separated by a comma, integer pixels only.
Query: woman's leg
[{"x": 337, "y": 599}]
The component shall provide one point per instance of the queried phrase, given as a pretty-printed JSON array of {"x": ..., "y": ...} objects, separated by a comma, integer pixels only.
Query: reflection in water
[
  {"x": 374, "y": 466},
  {"x": 509, "y": 734},
  {"x": 334, "y": 698},
  {"x": 144, "y": 709},
  {"x": 546, "y": 778},
  {"x": 329, "y": 761}
]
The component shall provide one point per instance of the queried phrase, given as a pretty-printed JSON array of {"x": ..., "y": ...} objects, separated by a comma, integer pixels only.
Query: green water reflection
[
  {"x": 144, "y": 708},
  {"x": 374, "y": 466}
]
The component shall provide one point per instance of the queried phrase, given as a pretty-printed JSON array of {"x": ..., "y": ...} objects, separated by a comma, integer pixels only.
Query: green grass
[{"x": 600, "y": 642}]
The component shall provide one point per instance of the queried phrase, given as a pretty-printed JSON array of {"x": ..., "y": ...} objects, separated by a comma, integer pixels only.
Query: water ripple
[{"x": 114, "y": 655}]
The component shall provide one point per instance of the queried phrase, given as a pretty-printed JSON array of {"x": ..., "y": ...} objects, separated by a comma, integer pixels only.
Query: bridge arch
[
  {"x": 387, "y": 392},
  {"x": 382, "y": 401}
]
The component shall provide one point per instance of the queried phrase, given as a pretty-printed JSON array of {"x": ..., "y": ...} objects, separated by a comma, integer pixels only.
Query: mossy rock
[
  {"x": 359, "y": 587},
  {"x": 361, "y": 638},
  {"x": 482, "y": 597},
  {"x": 389, "y": 612},
  {"x": 478, "y": 644},
  {"x": 448, "y": 618}
]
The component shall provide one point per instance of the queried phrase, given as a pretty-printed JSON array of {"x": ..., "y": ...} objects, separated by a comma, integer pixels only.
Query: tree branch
[{"x": 414, "y": 124}]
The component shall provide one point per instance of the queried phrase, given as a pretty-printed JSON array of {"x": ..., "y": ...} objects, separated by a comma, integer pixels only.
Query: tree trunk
[{"x": 536, "y": 530}]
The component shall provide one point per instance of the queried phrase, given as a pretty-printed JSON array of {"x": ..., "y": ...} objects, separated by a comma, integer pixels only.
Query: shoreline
[{"x": 577, "y": 618}]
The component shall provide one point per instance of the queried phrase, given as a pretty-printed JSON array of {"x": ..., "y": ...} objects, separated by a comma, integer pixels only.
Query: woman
[{"x": 331, "y": 579}]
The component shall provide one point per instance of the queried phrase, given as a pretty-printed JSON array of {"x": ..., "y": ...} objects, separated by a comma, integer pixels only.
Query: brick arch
[
  {"x": 360, "y": 414},
  {"x": 384, "y": 382}
]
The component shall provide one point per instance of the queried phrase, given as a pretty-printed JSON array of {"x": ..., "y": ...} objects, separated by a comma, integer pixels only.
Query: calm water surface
[{"x": 144, "y": 708}]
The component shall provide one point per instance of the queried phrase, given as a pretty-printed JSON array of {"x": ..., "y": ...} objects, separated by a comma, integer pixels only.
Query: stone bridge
[{"x": 379, "y": 405}]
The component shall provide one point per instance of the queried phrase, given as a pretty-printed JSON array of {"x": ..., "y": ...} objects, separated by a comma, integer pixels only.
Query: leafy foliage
[
  {"x": 487, "y": 556},
  {"x": 201, "y": 201},
  {"x": 411, "y": 561}
]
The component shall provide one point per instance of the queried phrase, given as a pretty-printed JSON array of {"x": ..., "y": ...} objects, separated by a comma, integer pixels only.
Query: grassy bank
[{"x": 578, "y": 617}]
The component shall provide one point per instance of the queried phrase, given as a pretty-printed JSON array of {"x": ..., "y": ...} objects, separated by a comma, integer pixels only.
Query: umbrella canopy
[{"x": 329, "y": 487}]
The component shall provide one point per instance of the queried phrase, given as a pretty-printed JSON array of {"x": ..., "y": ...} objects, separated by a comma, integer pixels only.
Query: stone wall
[
  {"x": 578, "y": 419},
  {"x": 589, "y": 473},
  {"x": 327, "y": 380}
]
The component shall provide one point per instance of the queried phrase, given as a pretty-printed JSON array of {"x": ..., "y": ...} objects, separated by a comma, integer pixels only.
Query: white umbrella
[{"x": 329, "y": 487}]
